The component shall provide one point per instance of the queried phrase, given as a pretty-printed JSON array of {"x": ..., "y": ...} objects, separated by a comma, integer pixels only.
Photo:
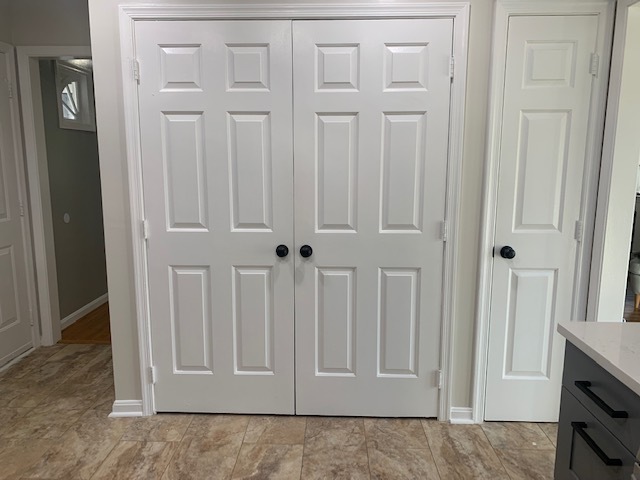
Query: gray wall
[
  {"x": 49, "y": 22},
  {"x": 5, "y": 21},
  {"x": 74, "y": 180}
]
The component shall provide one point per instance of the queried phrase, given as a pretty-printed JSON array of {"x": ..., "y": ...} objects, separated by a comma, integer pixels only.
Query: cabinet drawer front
[
  {"x": 586, "y": 449},
  {"x": 604, "y": 396}
]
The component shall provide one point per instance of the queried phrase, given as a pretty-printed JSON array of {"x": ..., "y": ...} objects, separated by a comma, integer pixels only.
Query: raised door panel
[
  {"x": 4, "y": 201},
  {"x": 542, "y": 166},
  {"x": 185, "y": 171},
  {"x": 190, "y": 298},
  {"x": 336, "y": 321},
  {"x": 253, "y": 320},
  {"x": 8, "y": 289},
  {"x": 531, "y": 309},
  {"x": 403, "y": 160},
  {"x": 337, "y": 177},
  {"x": 399, "y": 314}
]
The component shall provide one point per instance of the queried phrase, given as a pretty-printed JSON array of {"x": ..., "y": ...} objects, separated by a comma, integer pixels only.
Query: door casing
[
  {"x": 608, "y": 154},
  {"x": 458, "y": 11},
  {"x": 504, "y": 10}
]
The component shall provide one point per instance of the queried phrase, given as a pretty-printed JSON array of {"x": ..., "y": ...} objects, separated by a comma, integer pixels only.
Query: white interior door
[
  {"x": 215, "y": 111},
  {"x": 371, "y": 116},
  {"x": 544, "y": 136},
  {"x": 15, "y": 323}
]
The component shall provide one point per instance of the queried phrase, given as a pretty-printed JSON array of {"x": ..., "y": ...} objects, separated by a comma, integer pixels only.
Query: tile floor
[{"x": 54, "y": 425}]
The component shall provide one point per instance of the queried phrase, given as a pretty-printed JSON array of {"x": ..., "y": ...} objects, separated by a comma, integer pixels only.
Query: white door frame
[
  {"x": 26, "y": 232},
  {"x": 38, "y": 176},
  {"x": 606, "y": 170},
  {"x": 458, "y": 11},
  {"x": 504, "y": 10}
]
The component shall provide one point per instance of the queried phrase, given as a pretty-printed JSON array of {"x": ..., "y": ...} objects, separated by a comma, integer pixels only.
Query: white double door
[{"x": 326, "y": 134}]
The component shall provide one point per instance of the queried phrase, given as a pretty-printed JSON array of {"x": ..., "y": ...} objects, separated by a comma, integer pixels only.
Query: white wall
[
  {"x": 5, "y": 21},
  {"x": 622, "y": 195},
  {"x": 106, "y": 57}
]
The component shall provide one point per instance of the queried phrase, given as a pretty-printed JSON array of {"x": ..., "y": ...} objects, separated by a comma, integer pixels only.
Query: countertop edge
[{"x": 600, "y": 359}]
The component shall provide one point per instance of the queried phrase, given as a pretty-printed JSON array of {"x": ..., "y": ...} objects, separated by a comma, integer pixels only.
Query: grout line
[
  {"x": 304, "y": 444},
  {"x": 433, "y": 457},
  {"x": 171, "y": 457},
  {"x": 244, "y": 435},
  {"x": 494, "y": 450},
  {"x": 366, "y": 445}
]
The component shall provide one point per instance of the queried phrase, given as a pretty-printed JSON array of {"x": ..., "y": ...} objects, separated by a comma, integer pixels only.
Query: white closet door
[
  {"x": 545, "y": 119},
  {"x": 215, "y": 109},
  {"x": 371, "y": 116},
  {"x": 15, "y": 327}
]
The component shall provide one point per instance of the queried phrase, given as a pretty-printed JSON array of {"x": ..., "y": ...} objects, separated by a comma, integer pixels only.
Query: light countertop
[{"x": 613, "y": 346}]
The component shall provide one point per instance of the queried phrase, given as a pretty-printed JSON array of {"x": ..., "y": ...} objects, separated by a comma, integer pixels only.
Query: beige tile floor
[{"x": 54, "y": 425}]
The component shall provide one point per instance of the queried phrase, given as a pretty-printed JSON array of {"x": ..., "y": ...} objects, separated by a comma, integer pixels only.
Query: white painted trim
[
  {"x": 504, "y": 9},
  {"x": 458, "y": 11},
  {"x": 454, "y": 193},
  {"x": 39, "y": 198},
  {"x": 126, "y": 408},
  {"x": 23, "y": 193},
  {"x": 82, "y": 311},
  {"x": 606, "y": 170},
  {"x": 136, "y": 206},
  {"x": 293, "y": 12},
  {"x": 461, "y": 416}
]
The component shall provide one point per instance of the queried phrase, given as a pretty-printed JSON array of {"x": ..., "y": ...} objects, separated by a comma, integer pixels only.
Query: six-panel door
[
  {"x": 371, "y": 116},
  {"x": 545, "y": 123},
  {"x": 371, "y": 121},
  {"x": 215, "y": 115}
]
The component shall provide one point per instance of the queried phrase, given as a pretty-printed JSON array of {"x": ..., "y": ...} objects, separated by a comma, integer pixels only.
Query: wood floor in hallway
[
  {"x": 54, "y": 424},
  {"x": 93, "y": 328}
]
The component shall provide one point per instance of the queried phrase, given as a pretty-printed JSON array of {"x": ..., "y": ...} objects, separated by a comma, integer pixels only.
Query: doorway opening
[
  {"x": 616, "y": 283},
  {"x": 61, "y": 151},
  {"x": 75, "y": 195}
]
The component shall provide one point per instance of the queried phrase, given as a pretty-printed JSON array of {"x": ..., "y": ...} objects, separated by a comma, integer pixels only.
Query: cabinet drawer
[
  {"x": 604, "y": 396},
  {"x": 586, "y": 449}
]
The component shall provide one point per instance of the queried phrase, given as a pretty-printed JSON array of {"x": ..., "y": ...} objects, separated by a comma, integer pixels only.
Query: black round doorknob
[
  {"x": 282, "y": 251},
  {"x": 306, "y": 251},
  {"x": 507, "y": 252}
]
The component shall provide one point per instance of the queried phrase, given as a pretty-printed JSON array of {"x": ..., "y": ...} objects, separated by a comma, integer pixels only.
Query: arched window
[{"x": 75, "y": 95}]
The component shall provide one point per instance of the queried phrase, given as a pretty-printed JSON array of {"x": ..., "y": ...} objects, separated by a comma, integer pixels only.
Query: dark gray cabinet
[{"x": 599, "y": 428}]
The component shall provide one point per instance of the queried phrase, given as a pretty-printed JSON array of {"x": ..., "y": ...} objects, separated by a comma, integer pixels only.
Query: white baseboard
[
  {"x": 461, "y": 415},
  {"x": 126, "y": 408},
  {"x": 81, "y": 312}
]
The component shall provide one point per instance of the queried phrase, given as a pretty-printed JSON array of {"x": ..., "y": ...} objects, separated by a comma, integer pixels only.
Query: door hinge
[
  {"x": 444, "y": 231},
  {"x": 145, "y": 229},
  {"x": 152, "y": 375},
  {"x": 10, "y": 89},
  {"x": 579, "y": 231},
  {"x": 31, "y": 317},
  {"x": 439, "y": 379},
  {"x": 594, "y": 65},
  {"x": 452, "y": 67},
  {"x": 21, "y": 209},
  {"x": 136, "y": 70}
]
